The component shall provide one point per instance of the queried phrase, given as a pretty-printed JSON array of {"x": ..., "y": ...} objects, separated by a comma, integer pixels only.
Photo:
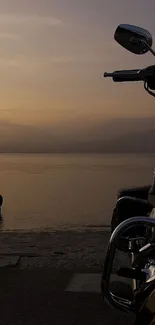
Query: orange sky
[{"x": 52, "y": 55}]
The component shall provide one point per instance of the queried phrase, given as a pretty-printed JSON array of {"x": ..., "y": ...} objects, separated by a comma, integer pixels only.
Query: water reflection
[{"x": 43, "y": 191}]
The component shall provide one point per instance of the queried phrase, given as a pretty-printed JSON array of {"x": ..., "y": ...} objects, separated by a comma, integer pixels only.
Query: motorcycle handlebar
[{"x": 125, "y": 75}]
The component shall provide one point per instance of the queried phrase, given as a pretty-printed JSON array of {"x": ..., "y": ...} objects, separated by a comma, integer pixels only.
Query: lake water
[{"x": 45, "y": 191}]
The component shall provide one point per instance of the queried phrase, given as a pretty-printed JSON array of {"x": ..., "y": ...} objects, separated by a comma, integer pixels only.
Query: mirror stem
[{"x": 149, "y": 48}]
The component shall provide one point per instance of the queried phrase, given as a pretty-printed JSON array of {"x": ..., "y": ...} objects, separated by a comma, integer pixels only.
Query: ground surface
[{"x": 54, "y": 278}]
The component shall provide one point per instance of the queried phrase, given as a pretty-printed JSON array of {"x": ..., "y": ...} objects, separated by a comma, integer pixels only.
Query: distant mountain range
[{"x": 112, "y": 136}]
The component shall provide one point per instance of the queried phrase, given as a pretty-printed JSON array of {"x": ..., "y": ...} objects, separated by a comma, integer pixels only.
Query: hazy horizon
[
  {"x": 53, "y": 97},
  {"x": 121, "y": 135}
]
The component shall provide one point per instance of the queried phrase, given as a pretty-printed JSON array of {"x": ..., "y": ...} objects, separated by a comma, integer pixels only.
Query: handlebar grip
[{"x": 127, "y": 75}]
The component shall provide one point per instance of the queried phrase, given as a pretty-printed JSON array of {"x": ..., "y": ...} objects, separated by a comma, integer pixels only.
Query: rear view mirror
[{"x": 135, "y": 39}]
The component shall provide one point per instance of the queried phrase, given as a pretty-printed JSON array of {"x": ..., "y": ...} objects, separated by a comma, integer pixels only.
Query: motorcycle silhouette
[{"x": 132, "y": 230}]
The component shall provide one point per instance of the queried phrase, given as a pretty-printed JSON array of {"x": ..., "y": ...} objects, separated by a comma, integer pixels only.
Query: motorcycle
[{"x": 133, "y": 231}]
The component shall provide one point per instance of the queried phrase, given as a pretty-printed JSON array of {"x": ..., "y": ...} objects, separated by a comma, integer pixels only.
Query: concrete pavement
[
  {"x": 43, "y": 296},
  {"x": 54, "y": 278}
]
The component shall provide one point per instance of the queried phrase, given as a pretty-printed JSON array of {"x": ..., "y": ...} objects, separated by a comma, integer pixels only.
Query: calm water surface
[{"x": 43, "y": 191}]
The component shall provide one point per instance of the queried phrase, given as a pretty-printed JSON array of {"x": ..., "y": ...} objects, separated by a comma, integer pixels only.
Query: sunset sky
[{"x": 53, "y": 54}]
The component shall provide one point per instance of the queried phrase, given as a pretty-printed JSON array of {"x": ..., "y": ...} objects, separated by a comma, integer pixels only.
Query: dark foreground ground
[{"x": 54, "y": 278}]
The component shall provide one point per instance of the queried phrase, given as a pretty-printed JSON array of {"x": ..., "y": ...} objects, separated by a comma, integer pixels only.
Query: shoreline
[{"x": 82, "y": 228}]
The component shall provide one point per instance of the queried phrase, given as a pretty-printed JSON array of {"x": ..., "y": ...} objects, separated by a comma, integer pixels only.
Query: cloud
[
  {"x": 14, "y": 19},
  {"x": 8, "y": 36},
  {"x": 32, "y": 63},
  {"x": 76, "y": 59},
  {"x": 9, "y": 63}
]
